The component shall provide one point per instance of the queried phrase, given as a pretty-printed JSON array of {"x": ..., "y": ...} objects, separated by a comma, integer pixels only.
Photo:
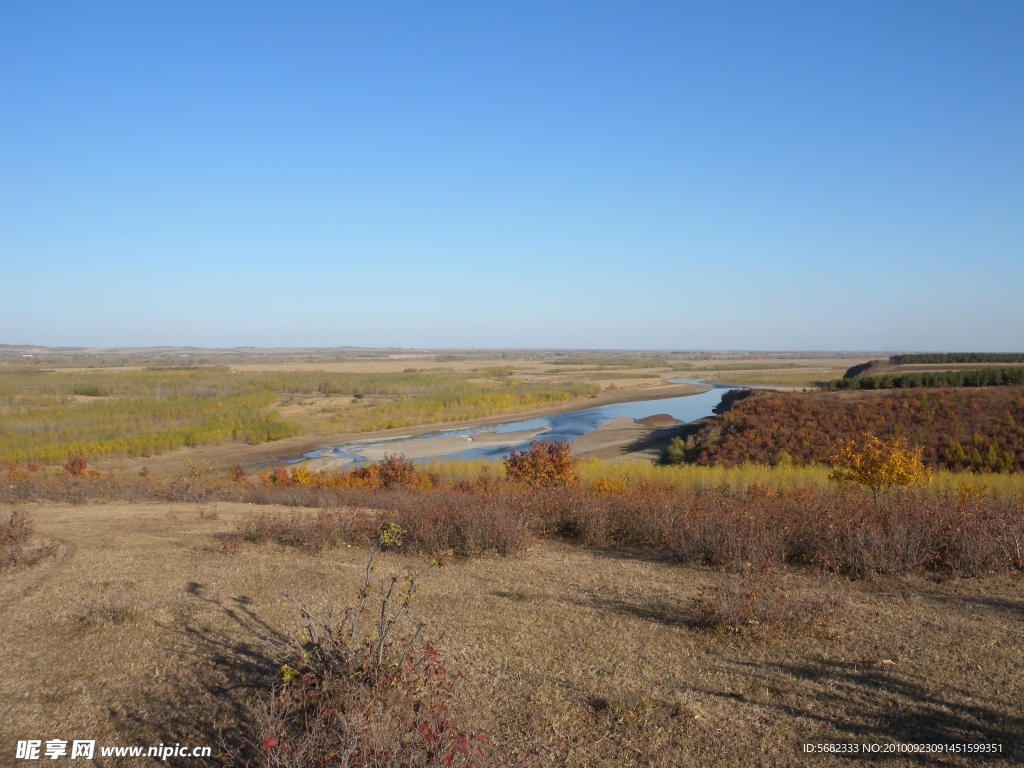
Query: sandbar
[{"x": 422, "y": 448}]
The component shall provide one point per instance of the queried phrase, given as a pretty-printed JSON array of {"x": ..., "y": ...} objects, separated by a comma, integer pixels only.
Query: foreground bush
[
  {"x": 359, "y": 696},
  {"x": 15, "y": 547},
  {"x": 759, "y": 601}
]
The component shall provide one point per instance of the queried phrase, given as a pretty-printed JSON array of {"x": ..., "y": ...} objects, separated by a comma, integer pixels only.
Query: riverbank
[{"x": 256, "y": 457}]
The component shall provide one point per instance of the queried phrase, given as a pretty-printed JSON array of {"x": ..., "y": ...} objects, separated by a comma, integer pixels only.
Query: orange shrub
[
  {"x": 609, "y": 485},
  {"x": 545, "y": 463}
]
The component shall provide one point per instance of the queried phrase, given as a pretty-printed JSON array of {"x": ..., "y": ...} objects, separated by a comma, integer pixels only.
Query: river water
[{"x": 558, "y": 426}]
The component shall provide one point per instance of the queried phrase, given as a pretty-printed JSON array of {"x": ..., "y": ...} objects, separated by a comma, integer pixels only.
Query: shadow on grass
[
  {"x": 868, "y": 704},
  {"x": 1012, "y": 609},
  {"x": 658, "y": 439},
  {"x": 204, "y": 700}
]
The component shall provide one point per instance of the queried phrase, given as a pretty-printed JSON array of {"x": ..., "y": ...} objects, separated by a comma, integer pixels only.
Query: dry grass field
[{"x": 143, "y": 630}]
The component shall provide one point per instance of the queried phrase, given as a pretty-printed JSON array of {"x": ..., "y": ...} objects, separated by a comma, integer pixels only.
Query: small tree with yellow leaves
[{"x": 878, "y": 464}]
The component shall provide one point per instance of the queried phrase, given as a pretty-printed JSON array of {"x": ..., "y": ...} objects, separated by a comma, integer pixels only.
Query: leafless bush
[
  {"x": 758, "y": 600},
  {"x": 305, "y": 530},
  {"x": 359, "y": 696},
  {"x": 15, "y": 547}
]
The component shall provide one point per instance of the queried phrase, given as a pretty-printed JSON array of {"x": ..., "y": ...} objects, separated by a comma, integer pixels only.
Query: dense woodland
[
  {"x": 940, "y": 358},
  {"x": 977, "y": 429},
  {"x": 986, "y": 377}
]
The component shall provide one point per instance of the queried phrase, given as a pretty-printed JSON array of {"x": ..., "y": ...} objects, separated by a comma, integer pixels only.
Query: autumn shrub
[
  {"x": 544, "y": 463},
  {"x": 195, "y": 483},
  {"x": 836, "y": 531},
  {"x": 835, "y": 528},
  {"x": 305, "y": 530},
  {"x": 15, "y": 545},
  {"x": 76, "y": 465},
  {"x": 360, "y": 694},
  {"x": 393, "y": 471},
  {"x": 763, "y": 600},
  {"x": 878, "y": 464},
  {"x": 462, "y": 522}
]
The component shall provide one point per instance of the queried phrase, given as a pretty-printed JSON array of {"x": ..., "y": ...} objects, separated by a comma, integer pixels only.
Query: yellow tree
[{"x": 878, "y": 464}]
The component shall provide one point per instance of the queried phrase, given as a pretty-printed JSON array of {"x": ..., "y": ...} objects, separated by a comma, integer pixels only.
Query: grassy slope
[{"x": 142, "y": 631}]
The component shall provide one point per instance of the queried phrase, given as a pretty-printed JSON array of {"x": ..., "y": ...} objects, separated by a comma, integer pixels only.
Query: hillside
[{"x": 980, "y": 429}]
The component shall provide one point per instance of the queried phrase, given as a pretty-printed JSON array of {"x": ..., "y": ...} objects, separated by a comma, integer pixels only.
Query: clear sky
[{"x": 821, "y": 175}]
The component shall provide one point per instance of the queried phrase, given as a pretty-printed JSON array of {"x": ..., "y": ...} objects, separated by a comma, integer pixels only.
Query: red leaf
[{"x": 269, "y": 742}]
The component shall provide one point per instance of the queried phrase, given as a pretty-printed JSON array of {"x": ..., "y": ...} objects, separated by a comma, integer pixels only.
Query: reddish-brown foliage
[
  {"x": 835, "y": 531},
  {"x": 981, "y": 429},
  {"x": 354, "y": 693},
  {"x": 76, "y": 465},
  {"x": 452, "y": 520},
  {"x": 395, "y": 472},
  {"x": 15, "y": 548},
  {"x": 545, "y": 463},
  {"x": 839, "y": 530}
]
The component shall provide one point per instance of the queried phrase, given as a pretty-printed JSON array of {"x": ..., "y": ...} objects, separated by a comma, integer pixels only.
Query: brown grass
[{"x": 141, "y": 630}]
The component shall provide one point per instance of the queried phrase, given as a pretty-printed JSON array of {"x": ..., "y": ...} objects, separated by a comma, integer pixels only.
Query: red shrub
[
  {"x": 395, "y": 472},
  {"x": 76, "y": 465}
]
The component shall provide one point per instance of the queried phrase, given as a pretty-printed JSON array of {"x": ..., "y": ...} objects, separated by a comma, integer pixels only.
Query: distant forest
[
  {"x": 988, "y": 377},
  {"x": 937, "y": 358}
]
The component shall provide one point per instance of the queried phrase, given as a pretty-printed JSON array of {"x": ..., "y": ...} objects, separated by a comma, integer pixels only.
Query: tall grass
[
  {"x": 692, "y": 477},
  {"x": 468, "y": 401},
  {"x": 45, "y": 416}
]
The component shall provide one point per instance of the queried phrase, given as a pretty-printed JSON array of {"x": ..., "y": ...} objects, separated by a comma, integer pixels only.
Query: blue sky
[{"x": 605, "y": 175}]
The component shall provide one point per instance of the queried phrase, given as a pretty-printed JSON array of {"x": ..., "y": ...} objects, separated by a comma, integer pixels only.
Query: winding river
[{"x": 495, "y": 441}]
